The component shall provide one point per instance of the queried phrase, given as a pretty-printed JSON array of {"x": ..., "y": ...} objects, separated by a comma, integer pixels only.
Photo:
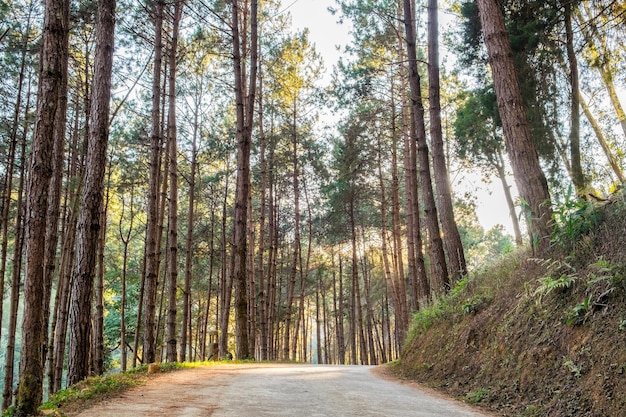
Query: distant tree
[{"x": 479, "y": 140}]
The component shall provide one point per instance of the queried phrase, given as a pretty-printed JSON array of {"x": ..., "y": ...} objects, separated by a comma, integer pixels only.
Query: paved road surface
[{"x": 278, "y": 390}]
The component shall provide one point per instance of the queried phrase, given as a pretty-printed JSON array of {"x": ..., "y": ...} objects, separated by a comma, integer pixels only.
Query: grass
[
  {"x": 98, "y": 388},
  {"x": 469, "y": 296}
]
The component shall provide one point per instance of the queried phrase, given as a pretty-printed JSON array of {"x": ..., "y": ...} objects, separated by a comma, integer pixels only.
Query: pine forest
[{"x": 189, "y": 180}]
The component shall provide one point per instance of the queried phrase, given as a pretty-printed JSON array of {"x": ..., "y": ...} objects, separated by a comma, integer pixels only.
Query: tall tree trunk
[
  {"x": 7, "y": 184},
  {"x": 91, "y": 196},
  {"x": 418, "y": 277},
  {"x": 338, "y": 302},
  {"x": 245, "y": 101},
  {"x": 509, "y": 199},
  {"x": 397, "y": 275},
  {"x": 226, "y": 282},
  {"x": 152, "y": 255},
  {"x": 189, "y": 244},
  {"x": 64, "y": 289},
  {"x": 40, "y": 171},
  {"x": 172, "y": 273},
  {"x": 7, "y": 393},
  {"x": 578, "y": 176},
  {"x": 456, "y": 256},
  {"x": 418, "y": 134},
  {"x": 125, "y": 237},
  {"x": 529, "y": 177},
  {"x": 97, "y": 356},
  {"x": 262, "y": 300},
  {"x": 600, "y": 56},
  {"x": 604, "y": 143}
]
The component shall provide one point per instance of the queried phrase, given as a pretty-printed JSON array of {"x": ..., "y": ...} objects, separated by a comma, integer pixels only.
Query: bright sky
[{"x": 326, "y": 34}]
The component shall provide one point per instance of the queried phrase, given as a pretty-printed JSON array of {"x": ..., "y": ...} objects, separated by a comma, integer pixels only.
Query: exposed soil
[
  {"x": 278, "y": 390},
  {"x": 524, "y": 354}
]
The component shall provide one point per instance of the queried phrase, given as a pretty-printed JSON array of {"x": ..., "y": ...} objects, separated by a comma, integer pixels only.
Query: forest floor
[
  {"x": 536, "y": 337},
  {"x": 278, "y": 390}
]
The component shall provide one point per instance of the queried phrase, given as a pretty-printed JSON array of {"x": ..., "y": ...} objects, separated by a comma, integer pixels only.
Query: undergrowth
[
  {"x": 96, "y": 388},
  {"x": 535, "y": 337},
  {"x": 471, "y": 294}
]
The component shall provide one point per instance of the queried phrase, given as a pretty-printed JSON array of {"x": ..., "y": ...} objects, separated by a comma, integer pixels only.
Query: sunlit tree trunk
[
  {"x": 600, "y": 55},
  {"x": 297, "y": 255},
  {"x": 338, "y": 301},
  {"x": 30, "y": 390},
  {"x": 604, "y": 143},
  {"x": 226, "y": 283},
  {"x": 262, "y": 299},
  {"x": 529, "y": 177},
  {"x": 578, "y": 176},
  {"x": 509, "y": 199}
]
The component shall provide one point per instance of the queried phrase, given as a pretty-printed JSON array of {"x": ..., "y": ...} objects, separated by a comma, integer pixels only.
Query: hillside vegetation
[{"x": 536, "y": 337}]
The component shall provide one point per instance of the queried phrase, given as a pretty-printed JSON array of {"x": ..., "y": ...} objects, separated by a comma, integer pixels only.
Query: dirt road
[{"x": 278, "y": 390}]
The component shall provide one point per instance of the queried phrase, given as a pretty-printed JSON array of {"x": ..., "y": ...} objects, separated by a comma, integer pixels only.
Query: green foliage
[
  {"x": 614, "y": 275},
  {"x": 476, "y": 396},
  {"x": 572, "y": 367},
  {"x": 472, "y": 293},
  {"x": 573, "y": 219},
  {"x": 580, "y": 312},
  {"x": 560, "y": 277},
  {"x": 102, "y": 387},
  {"x": 93, "y": 387}
]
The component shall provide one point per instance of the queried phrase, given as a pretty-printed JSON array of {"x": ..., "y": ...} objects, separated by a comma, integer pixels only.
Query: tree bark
[
  {"x": 578, "y": 176},
  {"x": 152, "y": 256},
  {"x": 509, "y": 199},
  {"x": 89, "y": 219},
  {"x": 441, "y": 281},
  {"x": 7, "y": 183},
  {"x": 244, "y": 112},
  {"x": 604, "y": 143},
  {"x": 172, "y": 272},
  {"x": 98, "y": 320},
  {"x": 7, "y": 394},
  {"x": 456, "y": 256},
  {"x": 529, "y": 177},
  {"x": 40, "y": 171},
  {"x": 189, "y": 243}
]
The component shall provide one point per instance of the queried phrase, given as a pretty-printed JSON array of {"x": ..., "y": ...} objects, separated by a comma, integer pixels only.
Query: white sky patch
[{"x": 324, "y": 31}]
